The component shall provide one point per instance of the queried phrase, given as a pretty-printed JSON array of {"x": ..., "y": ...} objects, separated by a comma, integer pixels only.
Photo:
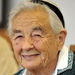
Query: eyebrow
[
  {"x": 38, "y": 28},
  {"x": 17, "y": 31}
]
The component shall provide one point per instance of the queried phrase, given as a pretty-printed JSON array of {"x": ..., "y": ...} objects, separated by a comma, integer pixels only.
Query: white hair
[{"x": 25, "y": 5}]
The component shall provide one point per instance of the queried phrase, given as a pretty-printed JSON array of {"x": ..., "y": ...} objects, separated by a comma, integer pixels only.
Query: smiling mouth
[{"x": 30, "y": 57}]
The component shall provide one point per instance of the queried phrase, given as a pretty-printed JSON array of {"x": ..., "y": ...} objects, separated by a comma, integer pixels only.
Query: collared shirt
[
  {"x": 62, "y": 66},
  {"x": 63, "y": 55}
]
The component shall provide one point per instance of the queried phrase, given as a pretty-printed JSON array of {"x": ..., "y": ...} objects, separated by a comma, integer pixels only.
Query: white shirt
[{"x": 63, "y": 55}]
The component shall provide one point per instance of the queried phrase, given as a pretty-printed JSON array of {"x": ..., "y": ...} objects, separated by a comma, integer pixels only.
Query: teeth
[
  {"x": 31, "y": 52},
  {"x": 30, "y": 55}
]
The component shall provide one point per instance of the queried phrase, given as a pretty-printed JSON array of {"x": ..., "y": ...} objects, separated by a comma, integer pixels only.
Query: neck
[{"x": 47, "y": 70}]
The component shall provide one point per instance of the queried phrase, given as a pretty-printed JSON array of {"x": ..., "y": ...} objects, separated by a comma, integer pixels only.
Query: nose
[{"x": 27, "y": 44}]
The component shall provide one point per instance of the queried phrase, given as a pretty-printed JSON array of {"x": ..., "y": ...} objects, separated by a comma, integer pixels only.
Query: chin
[{"x": 31, "y": 65}]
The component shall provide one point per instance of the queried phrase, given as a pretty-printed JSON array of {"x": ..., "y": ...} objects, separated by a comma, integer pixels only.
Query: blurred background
[{"x": 67, "y": 7}]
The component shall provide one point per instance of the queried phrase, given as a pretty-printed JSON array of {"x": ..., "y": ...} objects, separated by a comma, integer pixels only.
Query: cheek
[
  {"x": 43, "y": 48},
  {"x": 48, "y": 48},
  {"x": 17, "y": 48},
  {"x": 39, "y": 45},
  {"x": 42, "y": 45},
  {"x": 17, "y": 51}
]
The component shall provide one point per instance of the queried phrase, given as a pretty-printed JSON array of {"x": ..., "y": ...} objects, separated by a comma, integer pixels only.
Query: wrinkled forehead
[{"x": 32, "y": 18}]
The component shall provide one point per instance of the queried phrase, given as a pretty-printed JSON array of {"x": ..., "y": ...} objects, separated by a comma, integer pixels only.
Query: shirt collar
[
  {"x": 63, "y": 55},
  {"x": 62, "y": 66}
]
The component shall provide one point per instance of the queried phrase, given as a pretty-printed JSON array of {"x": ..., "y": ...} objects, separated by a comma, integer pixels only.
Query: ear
[{"x": 61, "y": 38}]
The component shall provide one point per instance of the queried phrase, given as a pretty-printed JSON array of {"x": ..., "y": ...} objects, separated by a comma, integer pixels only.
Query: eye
[
  {"x": 37, "y": 35},
  {"x": 18, "y": 37}
]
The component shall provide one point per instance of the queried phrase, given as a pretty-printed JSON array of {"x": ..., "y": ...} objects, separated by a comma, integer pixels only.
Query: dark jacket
[{"x": 71, "y": 70}]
